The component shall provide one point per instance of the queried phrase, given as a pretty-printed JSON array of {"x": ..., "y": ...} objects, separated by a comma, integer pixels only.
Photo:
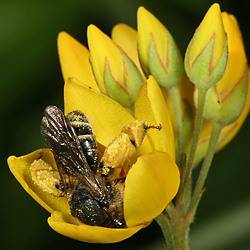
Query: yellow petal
[
  {"x": 150, "y": 106},
  {"x": 149, "y": 25},
  {"x": 227, "y": 133},
  {"x": 107, "y": 116},
  {"x": 20, "y": 168},
  {"x": 151, "y": 184},
  {"x": 237, "y": 61},
  {"x": 64, "y": 224},
  {"x": 74, "y": 60},
  {"x": 126, "y": 37},
  {"x": 167, "y": 99},
  {"x": 233, "y": 129},
  {"x": 103, "y": 50},
  {"x": 211, "y": 25}
]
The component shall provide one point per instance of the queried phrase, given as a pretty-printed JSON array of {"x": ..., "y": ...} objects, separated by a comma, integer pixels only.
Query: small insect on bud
[{"x": 121, "y": 152}]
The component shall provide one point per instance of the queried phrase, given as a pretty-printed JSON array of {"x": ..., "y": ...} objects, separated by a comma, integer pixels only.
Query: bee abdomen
[
  {"x": 84, "y": 131},
  {"x": 89, "y": 210},
  {"x": 82, "y": 128},
  {"x": 89, "y": 146}
]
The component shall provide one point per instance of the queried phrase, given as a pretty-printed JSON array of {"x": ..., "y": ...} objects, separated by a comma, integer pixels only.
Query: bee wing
[{"x": 60, "y": 137}]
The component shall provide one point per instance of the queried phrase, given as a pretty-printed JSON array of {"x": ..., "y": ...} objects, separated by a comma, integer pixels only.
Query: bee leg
[
  {"x": 46, "y": 177},
  {"x": 60, "y": 187}
]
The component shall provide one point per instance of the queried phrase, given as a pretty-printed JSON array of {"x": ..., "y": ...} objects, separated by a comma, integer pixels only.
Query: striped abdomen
[{"x": 84, "y": 130}]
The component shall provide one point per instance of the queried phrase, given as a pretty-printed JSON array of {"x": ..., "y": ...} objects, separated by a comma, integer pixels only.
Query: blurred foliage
[{"x": 31, "y": 79}]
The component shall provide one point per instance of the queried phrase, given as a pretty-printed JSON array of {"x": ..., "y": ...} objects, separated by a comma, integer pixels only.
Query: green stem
[
  {"x": 174, "y": 93},
  {"x": 165, "y": 226},
  {"x": 186, "y": 172},
  {"x": 204, "y": 169}
]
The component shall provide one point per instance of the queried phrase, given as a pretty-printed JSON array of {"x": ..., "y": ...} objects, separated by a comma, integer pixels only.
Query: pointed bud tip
[
  {"x": 158, "y": 52},
  {"x": 206, "y": 55}
]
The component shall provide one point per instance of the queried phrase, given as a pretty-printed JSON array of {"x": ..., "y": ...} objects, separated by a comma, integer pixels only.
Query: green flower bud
[
  {"x": 159, "y": 54},
  {"x": 225, "y": 101},
  {"x": 206, "y": 56},
  {"x": 116, "y": 74},
  {"x": 226, "y": 111}
]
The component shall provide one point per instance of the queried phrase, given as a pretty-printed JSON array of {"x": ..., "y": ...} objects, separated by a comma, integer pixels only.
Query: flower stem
[
  {"x": 186, "y": 172},
  {"x": 174, "y": 93},
  {"x": 165, "y": 226},
  {"x": 204, "y": 169}
]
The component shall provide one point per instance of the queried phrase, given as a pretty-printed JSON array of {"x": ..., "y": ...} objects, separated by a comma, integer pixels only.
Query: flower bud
[
  {"x": 206, "y": 56},
  {"x": 158, "y": 52},
  {"x": 116, "y": 75},
  {"x": 225, "y": 101},
  {"x": 127, "y": 38},
  {"x": 227, "y": 133}
]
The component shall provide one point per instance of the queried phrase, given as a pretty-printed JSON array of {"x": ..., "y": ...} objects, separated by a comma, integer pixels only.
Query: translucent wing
[
  {"x": 86, "y": 193},
  {"x": 60, "y": 137}
]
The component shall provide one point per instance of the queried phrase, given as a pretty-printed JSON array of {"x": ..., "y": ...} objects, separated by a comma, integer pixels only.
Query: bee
[{"x": 94, "y": 192}]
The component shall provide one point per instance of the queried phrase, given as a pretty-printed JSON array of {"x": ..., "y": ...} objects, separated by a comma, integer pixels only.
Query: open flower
[
  {"x": 152, "y": 181},
  {"x": 113, "y": 69}
]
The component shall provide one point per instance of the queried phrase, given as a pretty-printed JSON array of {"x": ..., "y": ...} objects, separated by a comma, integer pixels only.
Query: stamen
[{"x": 159, "y": 127}]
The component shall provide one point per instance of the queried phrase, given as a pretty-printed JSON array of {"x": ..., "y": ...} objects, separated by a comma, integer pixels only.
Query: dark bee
[
  {"x": 94, "y": 192},
  {"x": 92, "y": 201}
]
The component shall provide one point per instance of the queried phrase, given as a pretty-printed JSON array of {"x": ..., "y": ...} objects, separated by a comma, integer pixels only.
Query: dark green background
[{"x": 30, "y": 79}]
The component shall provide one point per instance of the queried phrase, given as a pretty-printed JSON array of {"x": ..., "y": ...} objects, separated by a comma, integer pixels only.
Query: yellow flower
[
  {"x": 206, "y": 55},
  {"x": 127, "y": 38},
  {"x": 152, "y": 181},
  {"x": 113, "y": 69}
]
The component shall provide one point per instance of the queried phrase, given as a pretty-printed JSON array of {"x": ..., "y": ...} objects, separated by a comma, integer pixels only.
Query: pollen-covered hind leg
[
  {"x": 121, "y": 152},
  {"x": 46, "y": 177}
]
